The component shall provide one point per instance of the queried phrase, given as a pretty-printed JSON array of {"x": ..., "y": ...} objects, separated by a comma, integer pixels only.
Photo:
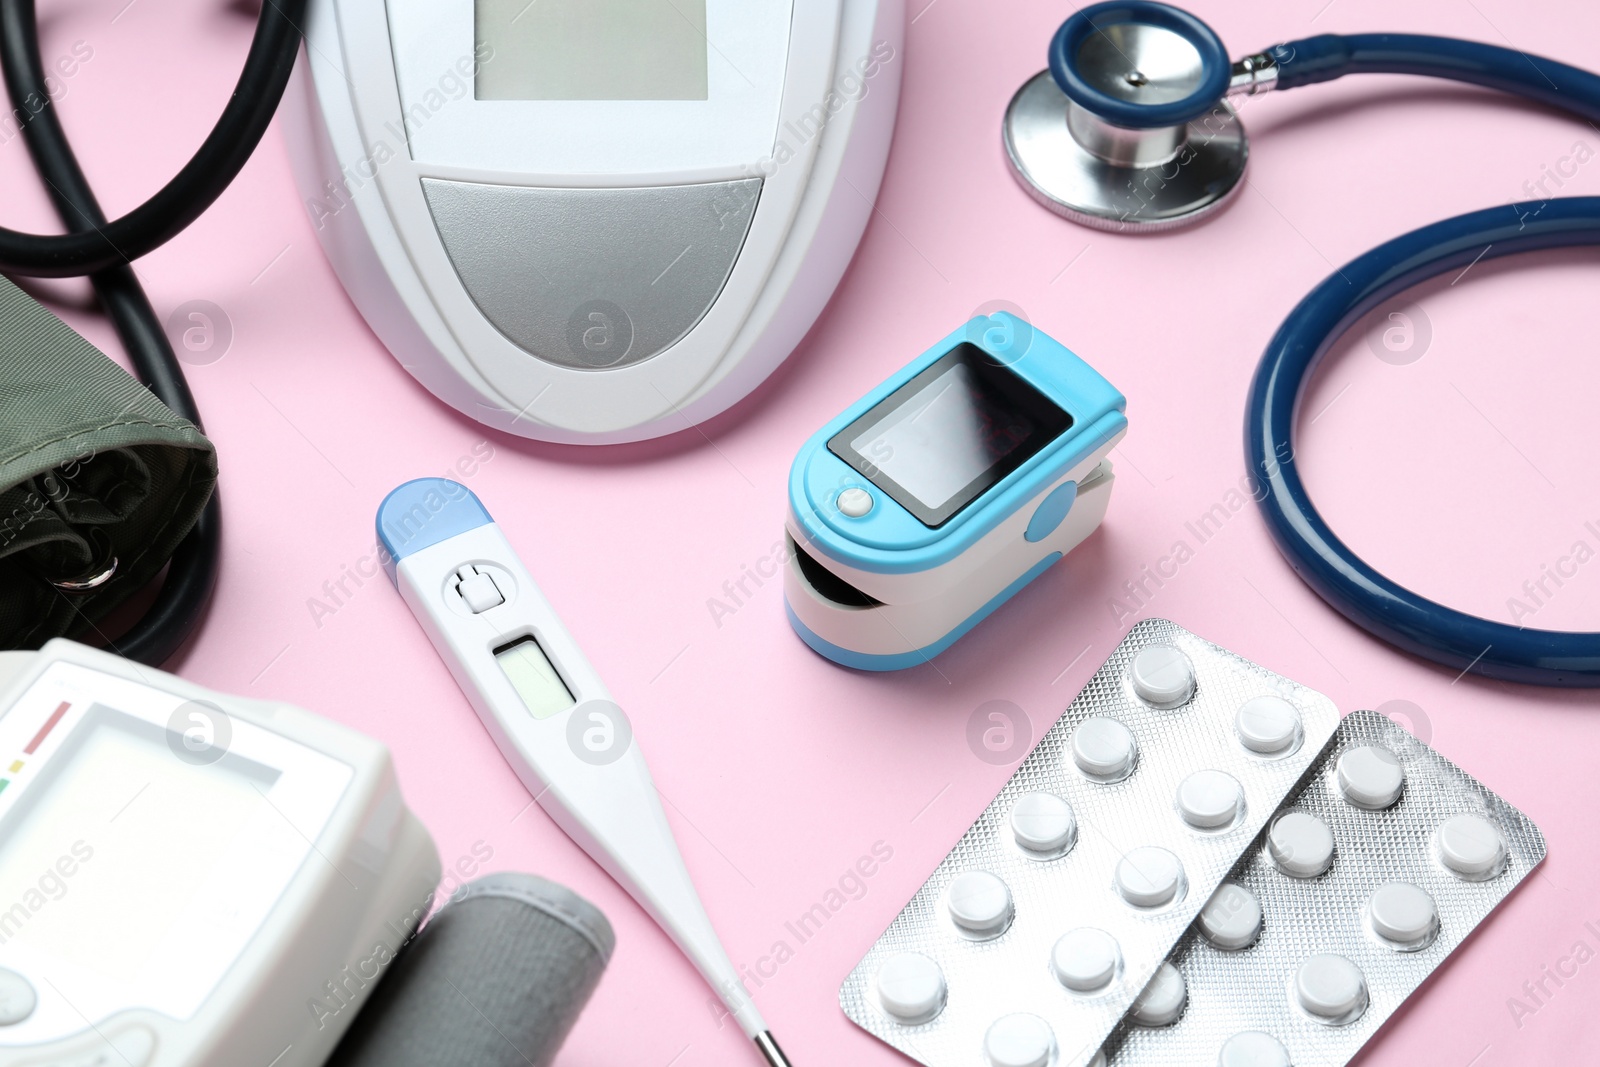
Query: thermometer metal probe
[{"x": 549, "y": 712}]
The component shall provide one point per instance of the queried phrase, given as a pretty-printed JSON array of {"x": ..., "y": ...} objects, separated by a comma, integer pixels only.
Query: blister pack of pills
[
  {"x": 1035, "y": 934},
  {"x": 1362, "y": 885}
]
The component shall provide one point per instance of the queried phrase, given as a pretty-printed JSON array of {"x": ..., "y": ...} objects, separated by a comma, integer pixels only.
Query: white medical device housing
[
  {"x": 593, "y": 221},
  {"x": 189, "y": 878}
]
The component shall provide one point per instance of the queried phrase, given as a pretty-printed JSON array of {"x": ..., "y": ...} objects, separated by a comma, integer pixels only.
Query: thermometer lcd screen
[
  {"x": 534, "y": 678},
  {"x": 957, "y": 428},
  {"x": 591, "y": 49}
]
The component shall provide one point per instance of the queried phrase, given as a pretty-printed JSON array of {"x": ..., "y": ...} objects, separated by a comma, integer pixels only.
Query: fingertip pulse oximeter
[{"x": 936, "y": 497}]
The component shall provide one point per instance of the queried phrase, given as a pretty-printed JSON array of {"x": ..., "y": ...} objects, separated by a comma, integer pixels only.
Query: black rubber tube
[
  {"x": 192, "y": 190},
  {"x": 181, "y": 603}
]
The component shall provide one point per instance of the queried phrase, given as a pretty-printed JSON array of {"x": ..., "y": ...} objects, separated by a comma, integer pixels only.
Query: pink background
[{"x": 1461, "y": 473}]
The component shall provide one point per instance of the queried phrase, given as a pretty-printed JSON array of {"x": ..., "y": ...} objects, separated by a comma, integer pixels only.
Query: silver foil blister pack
[
  {"x": 1338, "y": 951},
  {"x": 1047, "y": 919}
]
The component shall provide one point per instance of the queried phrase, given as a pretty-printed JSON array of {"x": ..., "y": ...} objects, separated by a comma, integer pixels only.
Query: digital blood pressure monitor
[
  {"x": 593, "y": 221},
  {"x": 188, "y": 878},
  {"x": 936, "y": 497}
]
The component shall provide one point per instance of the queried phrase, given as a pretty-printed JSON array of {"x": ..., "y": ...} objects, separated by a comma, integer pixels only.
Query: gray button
[
  {"x": 593, "y": 278},
  {"x": 17, "y": 998}
]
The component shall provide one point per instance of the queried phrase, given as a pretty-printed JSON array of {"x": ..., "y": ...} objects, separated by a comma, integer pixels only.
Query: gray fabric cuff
[
  {"x": 495, "y": 979},
  {"x": 92, "y": 467}
]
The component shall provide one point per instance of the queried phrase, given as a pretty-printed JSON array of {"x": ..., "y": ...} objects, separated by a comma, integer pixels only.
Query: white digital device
[
  {"x": 593, "y": 221},
  {"x": 548, "y": 711},
  {"x": 945, "y": 491},
  {"x": 189, "y": 879}
]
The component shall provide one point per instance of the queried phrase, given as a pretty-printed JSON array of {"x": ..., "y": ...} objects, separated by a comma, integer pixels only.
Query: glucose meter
[
  {"x": 549, "y": 712},
  {"x": 188, "y": 878},
  {"x": 593, "y": 221},
  {"x": 936, "y": 497}
]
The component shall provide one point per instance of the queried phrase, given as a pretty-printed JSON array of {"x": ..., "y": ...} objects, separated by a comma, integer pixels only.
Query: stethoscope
[{"x": 1131, "y": 130}]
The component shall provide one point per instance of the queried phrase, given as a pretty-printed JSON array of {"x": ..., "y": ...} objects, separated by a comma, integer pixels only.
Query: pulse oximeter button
[
  {"x": 1019, "y": 1040},
  {"x": 980, "y": 904},
  {"x": 1371, "y": 777},
  {"x": 1148, "y": 877},
  {"x": 17, "y": 998},
  {"x": 1085, "y": 960},
  {"x": 1162, "y": 1000},
  {"x": 1103, "y": 749},
  {"x": 1210, "y": 800},
  {"x": 1403, "y": 915},
  {"x": 1268, "y": 726},
  {"x": 1231, "y": 919},
  {"x": 1331, "y": 988},
  {"x": 1044, "y": 823},
  {"x": 911, "y": 988},
  {"x": 1162, "y": 676},
  {"x": 1471, "y": 847},
  {"x": 854, "y": 502},
  {"x": 1252, "y": 1048},
  {"x": 1300, "y": 845}
]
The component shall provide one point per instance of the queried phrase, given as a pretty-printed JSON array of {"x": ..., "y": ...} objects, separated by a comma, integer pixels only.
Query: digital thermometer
[
  {"x": 189, "y": 879},
  {"x": 549, "y": 712},
  {"x": 936, "y": 497},
  {"x": 593, "y": 221}
]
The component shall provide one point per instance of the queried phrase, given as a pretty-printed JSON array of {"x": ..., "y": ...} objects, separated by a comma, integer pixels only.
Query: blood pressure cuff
[
  {"x": 93, "y": 469},
  {"x": 495, "y": 979}
]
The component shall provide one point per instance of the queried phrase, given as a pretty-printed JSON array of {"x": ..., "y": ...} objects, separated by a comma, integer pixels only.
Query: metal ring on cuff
[{"x": 98, "y": 573}]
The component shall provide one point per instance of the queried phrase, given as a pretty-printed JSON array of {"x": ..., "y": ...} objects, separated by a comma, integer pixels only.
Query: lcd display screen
[
  {"x": 100, "y": 860},
  {"x": 956, "y": 429},
  {"x": 534, "y": 678},
  {"x": 591, "y": 49}
]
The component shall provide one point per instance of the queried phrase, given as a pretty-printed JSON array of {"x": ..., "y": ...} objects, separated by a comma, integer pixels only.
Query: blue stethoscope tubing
[{"x": 1385, "y": 609}]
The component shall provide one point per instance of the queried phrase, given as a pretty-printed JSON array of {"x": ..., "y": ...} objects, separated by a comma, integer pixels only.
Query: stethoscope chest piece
[{"x": 1129, "y": 129}]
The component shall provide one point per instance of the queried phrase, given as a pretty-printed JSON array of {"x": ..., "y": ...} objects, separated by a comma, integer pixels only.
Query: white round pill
[
  {"x": 1470, "y": 846},
  {"x": 911, "y": 988},
  {"x": 1269, "y": 726},
  {"x": 1370, "y": 777},
  {"x": 1252, "y": 1048},
  {"x": 980, "y": 903},
  {"x": 1043, "y": 822},
  {"x": 1331, "y": 988},
  {"x": 1300, "y": 845},
  {"x": 1148, "y": 877},
  {"x": 1020, "y": 1040},
  {"x": 1231, "y": 919},
  {"x": 1162, "y": 676},
  {"x": 1162, "y": 1000},
  {"x": 1210, "y": 800},
  {"x": 1403, "y": 914},
  {"x": 1103, "y": 748},
  {"x": 1085, "y": 960}
]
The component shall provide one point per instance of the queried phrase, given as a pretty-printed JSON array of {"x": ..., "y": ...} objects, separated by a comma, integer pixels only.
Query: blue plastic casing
[
  {"x": 889, "y": 539},
  {"x": 422, "y": 512}
]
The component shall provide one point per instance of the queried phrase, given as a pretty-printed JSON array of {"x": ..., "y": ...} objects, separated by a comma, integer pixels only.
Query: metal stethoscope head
[{"x": 1130, "y": 128}]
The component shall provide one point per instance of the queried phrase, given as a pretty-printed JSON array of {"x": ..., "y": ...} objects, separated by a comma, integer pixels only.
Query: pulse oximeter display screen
[{"x": 942, "y": 439}]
